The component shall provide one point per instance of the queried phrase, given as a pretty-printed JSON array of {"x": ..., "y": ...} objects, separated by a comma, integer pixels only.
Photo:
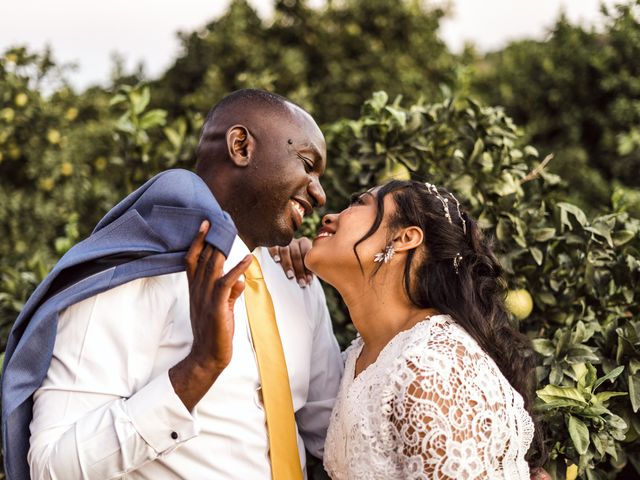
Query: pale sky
[{"x": 87, "y": 32}]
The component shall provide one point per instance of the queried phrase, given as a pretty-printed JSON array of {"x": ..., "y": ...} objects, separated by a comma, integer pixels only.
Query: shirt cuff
[{"x": 160, "y": 417}]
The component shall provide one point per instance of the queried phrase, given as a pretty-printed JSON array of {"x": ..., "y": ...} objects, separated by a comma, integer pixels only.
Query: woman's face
[{"x": 332, "y": 257}]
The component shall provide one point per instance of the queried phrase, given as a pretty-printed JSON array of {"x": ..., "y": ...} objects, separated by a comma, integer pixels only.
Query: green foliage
[
  {"x": 578, "y": 93},
  {"x": 583, "y": 273},
  {"x": 570, "y": 238},
  {"x": 328, "y": 60}
]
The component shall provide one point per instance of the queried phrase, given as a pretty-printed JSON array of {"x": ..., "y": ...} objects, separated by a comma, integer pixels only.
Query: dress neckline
[{"x": 401, "y": 334}]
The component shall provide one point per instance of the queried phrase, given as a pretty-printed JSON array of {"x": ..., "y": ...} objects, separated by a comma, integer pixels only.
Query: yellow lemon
[
  {"x": 66, "y": 169},
  {"x": 397, "y": 172},
  {"x": 46, "y": 184},
  {"x": 14, "y": 152},
  {"x": 8, "y": 114},
  {"x": 100, "y": 163},
  {"x": 520, "y": 303},
  {"x": 53, "y": 136},
  {"x": 21, "y": 246},
  {"x": 572, "y": 472},
  {"x": 21, "y": 99},
  {"x": 71, "y": 114}
]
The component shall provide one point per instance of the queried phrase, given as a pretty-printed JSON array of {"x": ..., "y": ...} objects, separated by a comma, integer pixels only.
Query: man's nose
[{"x": 317, "y": 192}]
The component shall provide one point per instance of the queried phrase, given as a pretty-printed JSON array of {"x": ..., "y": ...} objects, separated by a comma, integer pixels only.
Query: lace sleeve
[{"x": 444, "y": 419}]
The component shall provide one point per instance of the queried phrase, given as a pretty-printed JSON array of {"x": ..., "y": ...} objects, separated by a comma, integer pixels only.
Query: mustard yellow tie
[{"x": 276, "y": 393}]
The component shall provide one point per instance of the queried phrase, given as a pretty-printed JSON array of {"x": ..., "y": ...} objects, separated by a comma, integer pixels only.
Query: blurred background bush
[{"x": 393, "y": 102}]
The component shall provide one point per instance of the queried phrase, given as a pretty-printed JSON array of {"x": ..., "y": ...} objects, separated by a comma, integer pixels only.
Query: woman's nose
[{"x": 329, "y": 218}]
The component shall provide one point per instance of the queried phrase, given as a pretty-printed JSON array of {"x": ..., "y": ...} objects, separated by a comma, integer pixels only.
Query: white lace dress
[{"x": 434, "y": 405}]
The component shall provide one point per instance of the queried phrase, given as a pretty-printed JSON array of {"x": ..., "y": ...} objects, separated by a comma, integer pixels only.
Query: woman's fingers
[
  {"x": 286, "y": 263},
  {"x": 298, "y": 263},
  {"x": 275, "y": 253},
  {"x": 291, "y": 259},
  {"x": 305, "y": 245}
]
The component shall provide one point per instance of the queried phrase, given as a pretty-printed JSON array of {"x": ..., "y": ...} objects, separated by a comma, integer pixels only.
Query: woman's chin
[{"x": 318, "y": 262}]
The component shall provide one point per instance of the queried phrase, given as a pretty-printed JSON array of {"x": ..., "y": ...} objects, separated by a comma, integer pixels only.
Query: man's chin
[{"x": 280, "y": 238}]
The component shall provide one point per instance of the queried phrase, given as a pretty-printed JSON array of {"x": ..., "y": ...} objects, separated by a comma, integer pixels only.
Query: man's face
[{"x": 290, "y": 157}]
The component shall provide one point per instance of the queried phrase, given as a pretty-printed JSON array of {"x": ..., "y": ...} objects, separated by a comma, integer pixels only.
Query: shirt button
[{"x": 174, "y": 435}]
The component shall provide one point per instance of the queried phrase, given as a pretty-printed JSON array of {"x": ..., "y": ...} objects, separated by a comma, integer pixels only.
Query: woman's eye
[{"x": 356, "y": 200}]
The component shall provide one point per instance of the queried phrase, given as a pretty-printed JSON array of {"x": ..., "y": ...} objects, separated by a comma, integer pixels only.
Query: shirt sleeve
[
  {"x": 102, "y": 411},
  {"x": 324, "y": 379}
]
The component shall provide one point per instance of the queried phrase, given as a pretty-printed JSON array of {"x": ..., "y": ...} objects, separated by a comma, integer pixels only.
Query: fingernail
[
  {"x": 290, "y": 274},
  {"x": 276, "y": 258},
  {"x": 203, "y": 226},
  {"x": 302, "y": 283},
  {"x": 309, "y": 279}
]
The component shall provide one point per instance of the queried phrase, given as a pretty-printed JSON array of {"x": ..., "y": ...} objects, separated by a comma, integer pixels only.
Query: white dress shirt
[{"x": 108, "y": 410}]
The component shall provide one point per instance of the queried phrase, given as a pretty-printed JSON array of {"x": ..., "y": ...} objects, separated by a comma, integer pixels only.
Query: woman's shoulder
[
  {"x": 439, "y": 346},
  {"x": 440, "y": 333},
  {"x": 353, "y": 348}
]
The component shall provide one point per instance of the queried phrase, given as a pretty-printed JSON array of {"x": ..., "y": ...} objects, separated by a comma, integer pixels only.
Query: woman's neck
[{"x": 380, "y": 309}]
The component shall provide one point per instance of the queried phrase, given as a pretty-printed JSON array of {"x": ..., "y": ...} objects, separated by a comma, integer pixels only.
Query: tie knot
[{"x": 254, "y": 271}]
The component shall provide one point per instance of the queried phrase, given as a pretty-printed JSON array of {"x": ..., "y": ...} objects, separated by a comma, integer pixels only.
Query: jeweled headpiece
[{"x": 433, "y": 190}]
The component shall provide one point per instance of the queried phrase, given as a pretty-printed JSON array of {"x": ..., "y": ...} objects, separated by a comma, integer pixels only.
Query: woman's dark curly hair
[{"x": 474, "y": 295}]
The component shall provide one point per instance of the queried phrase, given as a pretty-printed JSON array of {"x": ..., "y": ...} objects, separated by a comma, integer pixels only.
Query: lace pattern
[{"x": 434, "y": 405}]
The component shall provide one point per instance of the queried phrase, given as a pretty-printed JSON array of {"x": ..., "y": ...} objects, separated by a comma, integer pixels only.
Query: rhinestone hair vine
[
  {"x": 464, "y": 224},
  {"x": 432, "y": 189},
  {"x": 445, "y": 201},
  {"x": 386, "y": 255},
  {"x": 456, "y": 262}
]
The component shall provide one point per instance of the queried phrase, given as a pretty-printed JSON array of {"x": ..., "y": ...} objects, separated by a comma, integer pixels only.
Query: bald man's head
[
  {"x": 250, "y": 107},
  {"x": 262, "y": 157}
]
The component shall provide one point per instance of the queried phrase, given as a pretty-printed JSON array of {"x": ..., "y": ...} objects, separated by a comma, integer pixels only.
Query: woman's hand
[{"x": 291, "y": 259}]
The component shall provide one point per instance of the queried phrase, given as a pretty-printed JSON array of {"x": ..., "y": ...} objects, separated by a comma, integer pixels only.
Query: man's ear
[
  {"x": 408, "y": 238},
  {"x": 240, "y": 145}
]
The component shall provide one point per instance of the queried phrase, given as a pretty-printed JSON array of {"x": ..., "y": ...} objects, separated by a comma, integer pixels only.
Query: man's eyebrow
[
  {"x": 319, "y": 162},
  {"x": 311, "y": 148}
]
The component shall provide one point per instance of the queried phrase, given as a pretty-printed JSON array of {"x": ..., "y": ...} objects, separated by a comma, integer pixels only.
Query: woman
[{"x": 437, "y": 384}]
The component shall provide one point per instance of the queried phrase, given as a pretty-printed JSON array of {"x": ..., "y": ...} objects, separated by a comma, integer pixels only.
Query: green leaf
[
  {"x": 140, "y": 100},
  {"x": 612, "y": 375},
  {"x": 116, "y": 99},
  {"x": 174, "y": 137},
  {"x": 544, "y": 234},
  {"x": 634, "y": 392},
  {"x": 398, "y": 115},
  {"x": 153, "y": 118},
  {"x": 605, "y": 396},
  {"x": 622, "y": 236},
  {"x": 379, "y": 100},
  {"x": 575, "y": 211},
  {"x": 531, "y": 151},
  {"x": 502, "y": 230},
  {"x": 537, "y": 255},
  {"x": 543, "y": 346},
  {"x": 554, "y": 393},
  {"x": 478, "y": 148},
  {"x": 579, "y": 434}
]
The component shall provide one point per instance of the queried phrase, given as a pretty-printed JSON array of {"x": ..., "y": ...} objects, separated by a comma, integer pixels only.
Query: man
[{"x": 154, "y": 372}]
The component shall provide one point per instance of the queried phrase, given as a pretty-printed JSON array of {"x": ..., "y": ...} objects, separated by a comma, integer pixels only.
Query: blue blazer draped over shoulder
[{"x": 146, "y": 234}]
